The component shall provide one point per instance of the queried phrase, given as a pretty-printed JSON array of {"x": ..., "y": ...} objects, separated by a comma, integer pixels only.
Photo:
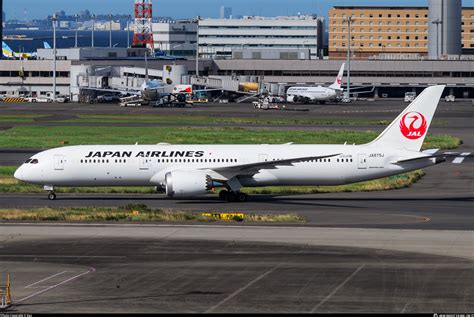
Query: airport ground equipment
[
  {"x": 131, "y": 101},
  {"x": 450, "y": 98},
  {"x": 13, "y": 99},
  {"x": 410, "y": 96},
  {"x": 5, "y": 293}
]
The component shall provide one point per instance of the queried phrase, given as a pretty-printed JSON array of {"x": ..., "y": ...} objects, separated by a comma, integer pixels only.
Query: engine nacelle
[{"x": 187, "y": 183}]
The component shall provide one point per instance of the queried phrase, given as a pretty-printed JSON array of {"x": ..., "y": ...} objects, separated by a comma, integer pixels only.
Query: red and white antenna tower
[{"x": 143, "y": 36}]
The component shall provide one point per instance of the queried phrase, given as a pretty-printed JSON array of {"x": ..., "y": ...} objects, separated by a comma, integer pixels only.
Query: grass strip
[
  {"x": 201, "y": 120},
  {"x": 129, "y": 213},
  {"x": 168, "y": 119},
  {"x": 55, "y": 136},
  {"x": 8, "y": 184}
]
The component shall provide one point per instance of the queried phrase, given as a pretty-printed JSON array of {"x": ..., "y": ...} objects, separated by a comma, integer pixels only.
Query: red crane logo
[{"x": 413, "y": 125}]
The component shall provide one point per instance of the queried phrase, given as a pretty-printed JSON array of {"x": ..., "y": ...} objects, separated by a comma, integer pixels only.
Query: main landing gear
[{"x": 231, "y": 196}]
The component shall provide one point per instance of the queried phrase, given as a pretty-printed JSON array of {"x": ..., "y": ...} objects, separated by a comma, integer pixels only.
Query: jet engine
[{"x": 187, "y": 183}]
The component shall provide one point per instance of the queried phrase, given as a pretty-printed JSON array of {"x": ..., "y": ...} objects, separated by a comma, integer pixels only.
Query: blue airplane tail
[
  {"x": 6, "y": 47},
  {"x": 7, "y": 52},
  {"x": 46, "y": 45}
]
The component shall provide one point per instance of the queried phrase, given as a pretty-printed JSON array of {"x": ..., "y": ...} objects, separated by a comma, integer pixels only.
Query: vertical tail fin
[
  {"x": 409, "y": 129},
  {"x": 337, "y": 84},
  {"x": 46, "y": 45},
  {"x": 7, "y": 51},
  {"x": 6, "y": 47}
]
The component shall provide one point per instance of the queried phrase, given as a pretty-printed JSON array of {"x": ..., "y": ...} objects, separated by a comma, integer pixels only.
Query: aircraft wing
[{"x": 228, "y": 172}]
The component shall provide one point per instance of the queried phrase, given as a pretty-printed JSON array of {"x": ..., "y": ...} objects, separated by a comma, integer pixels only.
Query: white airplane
[
  {"x": 191, "y": 170},
  {"x": 318, "y": 93}
]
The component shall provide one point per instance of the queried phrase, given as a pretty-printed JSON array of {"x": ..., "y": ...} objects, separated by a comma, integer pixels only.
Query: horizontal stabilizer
[{"x": 439, "y": 159}]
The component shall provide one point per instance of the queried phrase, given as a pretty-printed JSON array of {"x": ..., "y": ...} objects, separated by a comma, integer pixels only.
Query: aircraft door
[
  {"x": 59, "y": 161},
  {"x": 144, "y": 163},
  {"x": 362, "y": 162}
]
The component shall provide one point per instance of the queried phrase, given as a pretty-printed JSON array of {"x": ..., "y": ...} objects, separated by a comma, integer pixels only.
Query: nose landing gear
[{"x": 52, "y": 196}]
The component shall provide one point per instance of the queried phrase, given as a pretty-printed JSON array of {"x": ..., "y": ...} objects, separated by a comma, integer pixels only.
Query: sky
[{"x": 191, "y": 8}]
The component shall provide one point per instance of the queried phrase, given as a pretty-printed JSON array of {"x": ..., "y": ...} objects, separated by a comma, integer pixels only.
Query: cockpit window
[
  {"x": 34, "y": 161},
  {"x": 27, "y": 161}
]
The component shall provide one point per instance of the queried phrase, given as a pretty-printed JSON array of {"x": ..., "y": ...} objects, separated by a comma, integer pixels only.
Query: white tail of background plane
[
  {"x": 337, "y": 84},
  {"x": 409, "y": 129}
]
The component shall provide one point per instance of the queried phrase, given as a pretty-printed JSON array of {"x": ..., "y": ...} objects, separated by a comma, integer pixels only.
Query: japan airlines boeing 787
[{"x": 191, "y": 170}]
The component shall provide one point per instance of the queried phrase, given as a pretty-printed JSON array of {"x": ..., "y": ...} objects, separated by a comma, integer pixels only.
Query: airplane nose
[{"x": 19, "y": 174}]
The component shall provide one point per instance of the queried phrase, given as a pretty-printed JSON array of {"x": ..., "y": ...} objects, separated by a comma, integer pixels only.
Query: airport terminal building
[
  {"x": 390, "y": 55},
  {"x": 218, "y": 38}
]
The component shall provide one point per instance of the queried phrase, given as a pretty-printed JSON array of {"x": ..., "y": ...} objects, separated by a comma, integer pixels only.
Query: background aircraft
[
  {"x": 8, "y": 53},
  {"x": 318, "y": 93}
]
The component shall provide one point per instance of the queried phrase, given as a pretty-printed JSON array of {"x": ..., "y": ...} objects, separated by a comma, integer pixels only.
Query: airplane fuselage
[
  {"x": 147, "y": 165},
  {"x": 319, "y": 93}
]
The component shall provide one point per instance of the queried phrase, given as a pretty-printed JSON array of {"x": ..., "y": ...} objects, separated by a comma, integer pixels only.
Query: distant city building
[
  {"x": 106, "y": 26},
  {"x": 378, "y": 31},
  {"x": 176, "y": 37},
  {"x": 219, "y": 37},
  {"x": 225, "y": 13},
  {"x": 84, "y": 15},
  {"x": 61, "y": 14}
]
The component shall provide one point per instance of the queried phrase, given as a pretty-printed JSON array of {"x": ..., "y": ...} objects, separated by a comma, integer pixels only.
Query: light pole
[
  {"x": 54, "y": 19},
  {"x": 77, "y": 27},
  {"x": 110, "y": 30},
  {"x": 437, "y": 22},
  {"x": 93, "y": 27},
  {"x": 349, "y": 20},
  {"x": 197, "y": 47},
  {"x": 128, "y": 30}
]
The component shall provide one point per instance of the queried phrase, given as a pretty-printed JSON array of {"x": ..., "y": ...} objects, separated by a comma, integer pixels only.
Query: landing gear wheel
[
  {"x": 241, "y": 197},
  {"x": 231, "y": 197},
  {"x": 223, "y": 194},
  {"x": 52, "y": 196}
]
